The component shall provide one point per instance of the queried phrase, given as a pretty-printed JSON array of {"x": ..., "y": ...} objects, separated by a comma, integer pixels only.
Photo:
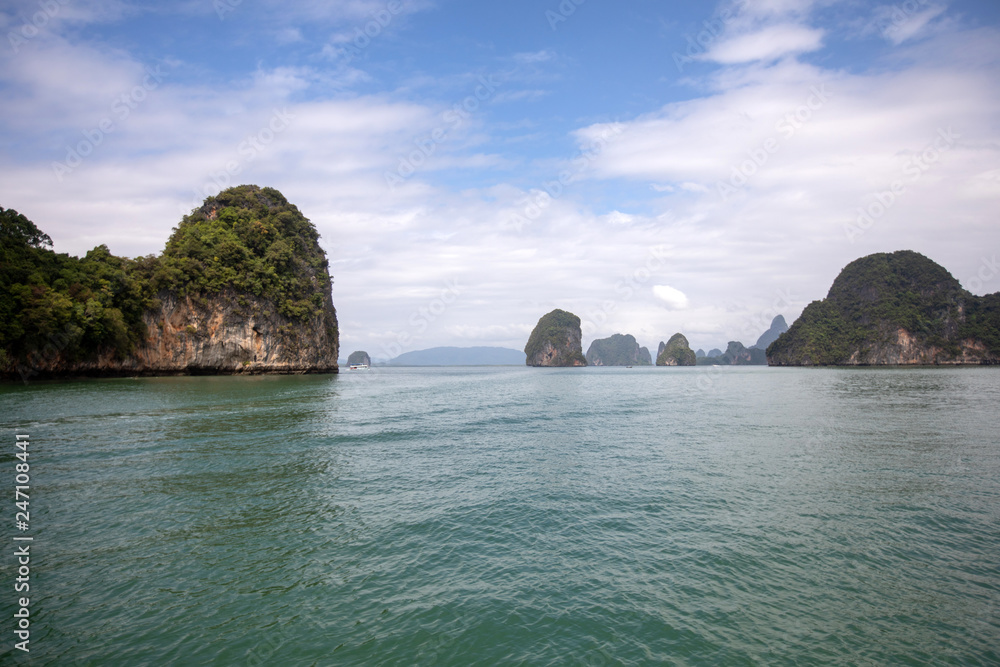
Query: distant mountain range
[
  {"x": 461, "y": 356},
  {"x": 778, "y": 327}
]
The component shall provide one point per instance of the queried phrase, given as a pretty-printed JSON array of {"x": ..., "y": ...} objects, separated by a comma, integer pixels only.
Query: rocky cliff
[
  {"x": 242, "y": 287},
  {"x": 676, "y": 352},
  {"x": 556, "y": 341},
  {"x": 226, "y": 333},
  {"x": 896, "y": 308},
  {"x": 618, "y": 350}
]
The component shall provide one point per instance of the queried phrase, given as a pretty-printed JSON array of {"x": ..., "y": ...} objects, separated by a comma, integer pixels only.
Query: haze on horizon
[{"x": 653, "y": 167}]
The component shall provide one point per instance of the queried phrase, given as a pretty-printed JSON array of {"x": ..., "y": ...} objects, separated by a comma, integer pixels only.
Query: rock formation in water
[
  {"x": 715, "y": 352},
  {"x": 242, "y": 287},
  {"x": 778, "y": 327},
  {"x": 359, "y": 357},
  {"x": 896, "y": 308},
  {"x": 556, "y": 341},
  {"x": 700, "y": 353},
  {"x": 618, "y": 350},
  {"x": 675, "y": 352},
  {"x": 736, "y": 354}
]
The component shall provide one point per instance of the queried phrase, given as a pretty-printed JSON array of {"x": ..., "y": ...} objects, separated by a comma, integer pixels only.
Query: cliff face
[
  {"x": 556, "y": 341},
  {"x": 737, "y": 354},
  {"x": 676, "y": 352},
  {"x": 905, "y": 349},
  {"x": 893, "y": 309},
  {"x": 225, "y": 333},
  {"x": 618, "y": 350}
]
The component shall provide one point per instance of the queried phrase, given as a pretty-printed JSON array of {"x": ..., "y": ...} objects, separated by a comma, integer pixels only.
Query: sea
[{"x": 507, "y": 516}]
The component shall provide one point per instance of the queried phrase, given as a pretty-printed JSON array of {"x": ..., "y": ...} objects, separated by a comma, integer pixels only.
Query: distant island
[
  {"x": 896, "y": 308},
  {"x": 618, "y": 350},
  {"x": 461, "y": 356},
  {"x": 556, "y": 341},
  {"x": 242, "y": 286},
  {"x": 778, "y": 327},
  {"x": 676, "y": 352},
  {"x": 359, "y": 358},
  {"x": 735, "y": 355}
]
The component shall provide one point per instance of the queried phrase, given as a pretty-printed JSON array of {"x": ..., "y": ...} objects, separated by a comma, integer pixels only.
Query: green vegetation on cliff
[
  {"x": 246, "y": 239},
  {"x": 676, "y": 352},
  {"x": 874, "y": 298},
  {"x": 251, "y": 240},
  {"x": 66, "y": 305},
  {"x": 557, "y": 333},
  {"x": 618, "y": 350}
]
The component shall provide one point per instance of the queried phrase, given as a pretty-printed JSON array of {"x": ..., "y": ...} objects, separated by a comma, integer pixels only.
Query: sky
[{"x": 652, "y": 166}]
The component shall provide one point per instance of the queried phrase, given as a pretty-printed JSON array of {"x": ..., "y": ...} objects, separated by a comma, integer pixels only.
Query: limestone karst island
[
  {"x": 241, "y": 287},
  {"x": 886, "y": 309},
  {"x": 896, "y": 308}
]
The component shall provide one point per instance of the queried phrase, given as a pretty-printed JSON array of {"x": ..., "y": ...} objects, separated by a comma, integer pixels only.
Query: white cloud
[
  {"x": 533, "y": 57},
  {"x": 898, "y": 25},
  {"x": 673, "y": 297},
  {"x": 766, "y": 44},
  {"x": 618, "y": 219}
]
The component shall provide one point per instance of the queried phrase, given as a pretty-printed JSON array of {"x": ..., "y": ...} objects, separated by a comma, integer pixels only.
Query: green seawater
[{"x": 495, "y": 516}]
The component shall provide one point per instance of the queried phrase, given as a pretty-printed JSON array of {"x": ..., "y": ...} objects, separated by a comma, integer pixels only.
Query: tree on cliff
[{"x": 57, "y": 304}]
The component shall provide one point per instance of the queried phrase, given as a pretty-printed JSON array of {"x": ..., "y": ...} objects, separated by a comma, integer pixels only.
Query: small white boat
[{"x": 358, "y": 367}]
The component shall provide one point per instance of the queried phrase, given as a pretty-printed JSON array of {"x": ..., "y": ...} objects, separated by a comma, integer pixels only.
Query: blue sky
[{"x": 653, "y": 167}]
